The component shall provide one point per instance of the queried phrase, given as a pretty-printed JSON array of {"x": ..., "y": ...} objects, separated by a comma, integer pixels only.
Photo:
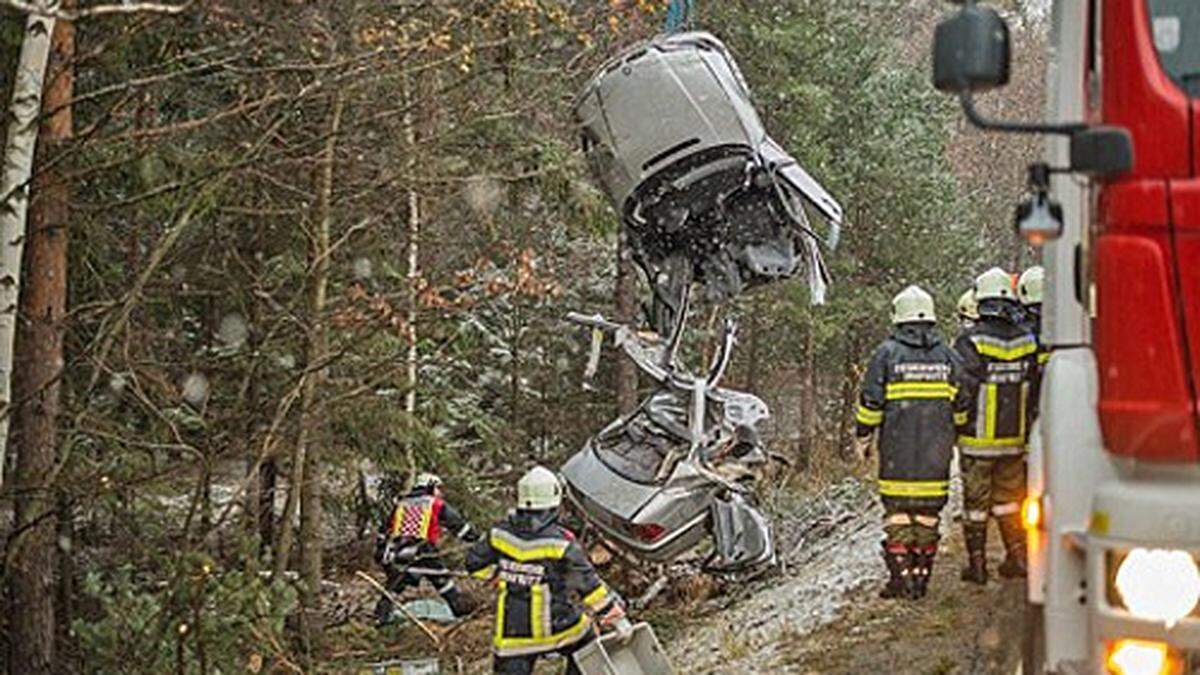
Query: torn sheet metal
[
  {"x": 742, "y": 535},
  {"x": 650, "y": 481}
]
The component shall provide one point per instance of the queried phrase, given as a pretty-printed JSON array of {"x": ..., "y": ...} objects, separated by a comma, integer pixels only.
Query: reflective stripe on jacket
[
  {"x": 538, "y": 568},
  {"x": 1000, "y": 358},
  {"x": 912, "y": 394}
]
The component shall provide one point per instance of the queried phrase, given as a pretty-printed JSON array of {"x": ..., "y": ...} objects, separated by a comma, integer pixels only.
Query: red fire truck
[{"x": 1114, "y": 503}]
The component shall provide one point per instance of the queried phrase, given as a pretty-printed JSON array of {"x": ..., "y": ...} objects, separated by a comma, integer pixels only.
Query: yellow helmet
[
  {"x": 994, "y": 284},
  {"x": 968, "y": 308},
  {"x": 1029, "y": 286},
  {"x": 912, "y": 304}
]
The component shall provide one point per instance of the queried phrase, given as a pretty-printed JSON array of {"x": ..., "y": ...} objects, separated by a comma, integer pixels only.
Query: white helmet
[
  {"x": 427, "y": 480},
  {"x": 539, "y": 490},
  {"x": 968, "y": 308},
  {"x": 912, "y": 304},
  {"x": 1029, "y": 286},
  {"x": 994, "y": 284}
]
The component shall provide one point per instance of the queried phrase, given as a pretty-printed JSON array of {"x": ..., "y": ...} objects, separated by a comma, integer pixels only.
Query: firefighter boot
[
  {"x": 922, "y": 570},
  {"x": 459, "y": 605},
  {"x": 1014, "y": 565},
  {"x": 384, "y": 612},
  {"x": 976, "y": 538},
  {"x": 896, "y": 558}
]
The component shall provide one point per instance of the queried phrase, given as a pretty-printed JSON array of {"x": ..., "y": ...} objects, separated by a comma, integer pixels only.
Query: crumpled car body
[
  {"x": 704, "y": 194},
  {"x": 680, "y": 468}
]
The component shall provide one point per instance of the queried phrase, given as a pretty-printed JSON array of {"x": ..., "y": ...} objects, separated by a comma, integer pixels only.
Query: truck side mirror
[
  {"x": 1102, "y": 151},
  {"x": 971, "y": 51}
]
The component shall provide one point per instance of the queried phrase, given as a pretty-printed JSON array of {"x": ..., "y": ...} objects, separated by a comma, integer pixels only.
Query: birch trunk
[
  {"x": 14, "y": 194},
  {"x": 413, "y": 275},
  {"x": 39, "y": 362}
]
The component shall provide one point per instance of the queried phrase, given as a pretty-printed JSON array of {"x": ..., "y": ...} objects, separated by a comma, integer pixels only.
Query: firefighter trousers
[
  {"x": 994, "y": 487},
  {"x": 910, "y": 528},
  {"x": 399, "y": 579},
  {"x": 524, "y": 665}
]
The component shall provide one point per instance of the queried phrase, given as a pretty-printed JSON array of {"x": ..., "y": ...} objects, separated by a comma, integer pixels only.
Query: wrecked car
[
  {"x": 704, "y": 194},
  {"x": 680, "y": 468}
]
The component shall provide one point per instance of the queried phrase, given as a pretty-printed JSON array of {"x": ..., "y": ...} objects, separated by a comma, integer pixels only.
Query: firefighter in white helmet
[
  {"x": 968, "y": 309},
  {"x": 409, "y": 538},
  {"x": 538, "y": 568},
  {"x": 912, "y": 400},
  {"x": 1029, "y": 291},
  {"x": 1000, "y": 360}
]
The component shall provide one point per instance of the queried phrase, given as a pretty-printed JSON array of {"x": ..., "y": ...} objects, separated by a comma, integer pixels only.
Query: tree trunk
[
  {"x": 627, "y": 313},
  {"x": 808, "y": 395},
  {"x": 40, "y": 360},
  {"x": 20, "y": 144},
  {"x": 413, "y": 274},
  {"x": 310, "y": 489}
]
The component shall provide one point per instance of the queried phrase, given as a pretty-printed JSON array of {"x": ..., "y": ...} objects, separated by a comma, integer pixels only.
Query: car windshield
[{"x": 1176, "y": 27}]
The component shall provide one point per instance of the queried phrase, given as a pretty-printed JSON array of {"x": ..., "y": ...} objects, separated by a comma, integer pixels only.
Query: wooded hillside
[{"x": 283, "y": 255}]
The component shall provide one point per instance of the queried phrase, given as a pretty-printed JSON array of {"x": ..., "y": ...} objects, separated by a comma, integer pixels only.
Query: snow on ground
[
  {"x": 829, "y": 547},
  {"x": 829, "y": 544}
]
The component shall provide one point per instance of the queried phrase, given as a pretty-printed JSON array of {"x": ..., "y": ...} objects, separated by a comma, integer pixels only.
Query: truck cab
[{"x": 1114, "y": 480}]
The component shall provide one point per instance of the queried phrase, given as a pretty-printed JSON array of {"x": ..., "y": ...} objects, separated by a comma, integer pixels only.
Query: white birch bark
[
  {"x": 413, "y": 274},
  {"x": 19, "y": 148}
]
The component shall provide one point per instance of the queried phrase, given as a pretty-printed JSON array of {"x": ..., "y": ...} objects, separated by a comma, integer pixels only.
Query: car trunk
[{"x": 595, "y": 484}]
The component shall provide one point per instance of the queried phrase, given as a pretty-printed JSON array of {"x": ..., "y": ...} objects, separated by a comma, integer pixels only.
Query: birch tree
[
  {"x": 14, "y": 192},
  {"x": 38, "y": 367}
]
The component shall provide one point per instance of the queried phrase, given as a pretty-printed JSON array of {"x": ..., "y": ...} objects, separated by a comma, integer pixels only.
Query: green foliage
[
  {"x": 867, "y": 124},
  {"x": 210, "y": 620}
]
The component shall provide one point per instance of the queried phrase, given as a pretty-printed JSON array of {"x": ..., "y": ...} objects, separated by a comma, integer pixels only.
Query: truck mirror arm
[
  {"x": 976, "y": 118},
  {"x": 1096, "y": 149}
]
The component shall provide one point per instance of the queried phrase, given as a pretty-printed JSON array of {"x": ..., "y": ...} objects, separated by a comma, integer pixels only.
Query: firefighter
[
  {"x": 1029, "y": 292},
  {"x": 538, "y": 568},
  {"x": 409, "y": 539},
  {"x": 1000, "y": 362},
  {"x": 968, "y": 309},
  {"x": 911, "y": 398}
]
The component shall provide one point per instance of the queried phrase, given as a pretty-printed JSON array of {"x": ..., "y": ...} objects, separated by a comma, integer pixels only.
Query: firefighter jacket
[
  {"x": 1000, "y": 358},
  {"x": 417, "y": 524},
  {"x": 912, "y": 396},
  {"x": 545, "y": 581}
]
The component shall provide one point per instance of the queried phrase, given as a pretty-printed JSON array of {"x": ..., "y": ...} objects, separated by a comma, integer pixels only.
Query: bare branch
[{"x": 99, "y": 10}]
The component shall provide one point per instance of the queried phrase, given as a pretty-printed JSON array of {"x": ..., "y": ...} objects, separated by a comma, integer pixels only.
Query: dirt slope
[
  {"x": 822, "y": 614},
  {"x": 819, "y": 614}
]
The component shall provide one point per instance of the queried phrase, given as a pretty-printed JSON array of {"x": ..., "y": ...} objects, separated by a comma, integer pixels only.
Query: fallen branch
[{"x": 400, "y": 606}]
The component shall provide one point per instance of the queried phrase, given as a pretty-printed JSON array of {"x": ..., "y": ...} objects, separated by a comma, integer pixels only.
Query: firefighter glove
[{"x": 862, "y": 446}]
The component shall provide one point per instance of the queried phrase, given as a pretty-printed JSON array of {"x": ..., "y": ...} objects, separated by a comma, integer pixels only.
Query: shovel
[{"x": 633, "y": 649}]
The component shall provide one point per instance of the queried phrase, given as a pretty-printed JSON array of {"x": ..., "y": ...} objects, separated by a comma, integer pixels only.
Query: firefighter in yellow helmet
[
  {"x": 1000, "y": 360},
  {"x": 409, "y": 540},
  {"x": 968, "y": 309},
  {"x": 1029, "y": 291},
  {"x": 549, "y": 590},
  {"x": 912, "y": 399}
]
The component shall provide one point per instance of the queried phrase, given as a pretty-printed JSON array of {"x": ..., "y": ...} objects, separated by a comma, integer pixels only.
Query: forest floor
[{"x": 819, "y": 613}]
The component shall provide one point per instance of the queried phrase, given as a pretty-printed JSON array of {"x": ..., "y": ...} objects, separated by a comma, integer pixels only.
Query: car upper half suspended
[{"x": 705, "y": 195}]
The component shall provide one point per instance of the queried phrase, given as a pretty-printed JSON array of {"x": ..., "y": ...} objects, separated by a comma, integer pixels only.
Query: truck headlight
[
  {"x": 1158, "y": 584},
  {"x": 1138, "y": 657}
]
